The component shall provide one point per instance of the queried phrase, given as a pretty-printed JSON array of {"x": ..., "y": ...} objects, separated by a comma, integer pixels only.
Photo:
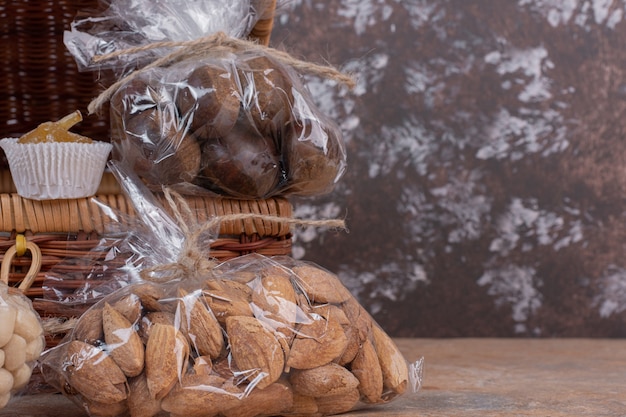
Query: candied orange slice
[{"x": 56, "y": 131}]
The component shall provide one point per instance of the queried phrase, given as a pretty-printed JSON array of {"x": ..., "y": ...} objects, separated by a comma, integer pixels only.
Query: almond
[
  {"x": 255, "y": 350},
  {"x": 130, "y": 307},
  {"x": 166, "y": 356},
  {"x": 352, "y": 348},
  {"x": 202, "y": 365},
  {"x": 226, "y": 285},
  {"x": 303, "y": 405},
  {"x": 199, "y": 325},
  {"x": 88, "y": 329},
  {"x": 201, "y": 395},
  {"x": 367, "y": 370},
  {"x": 330, "y": 311},
  {"x": 149, "y": 295},
  {"x": 323, "y": 381},
  {"x": 317, "y": 343},
  {"x": 320, "y": 285},
  {"x": 272, "y": 400},
  {"x": 337, "y": 404},
  {"x": 146, "y": 322},
  {"x": 285, "y": 344},
  {"x": 96, "y": 409},
  {"x": 123, "y": 343},
  {"x": 140, "y": 402},
  {"x": 227, "y": 298},
  {"x": 393, "y": 365},
  {"x": 274, "y": 302},
  {"x": 93, "y": 373},
  {"x": 227, "y": 369},
  {"x": 360, "y": 319},
  {"x": 357, "y": 332}
]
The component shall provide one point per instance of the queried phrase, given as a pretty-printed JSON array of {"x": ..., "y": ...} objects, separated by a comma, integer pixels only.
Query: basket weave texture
[{"x": 40, "y": 76}]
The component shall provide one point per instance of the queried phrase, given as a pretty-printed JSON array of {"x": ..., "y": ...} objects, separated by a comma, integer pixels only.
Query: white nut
[
  {"x": 21, "y": 376},
  {"x": 14, "y": 353},
  {"x": 6, "y": 381},
  {"x": 34, "y": 348},
  {"x": 20, "y": 301},
  {"x": 7, "y": 318},
  {"x": 4, "y": 399},
  {"x": 27, "y": 324}
]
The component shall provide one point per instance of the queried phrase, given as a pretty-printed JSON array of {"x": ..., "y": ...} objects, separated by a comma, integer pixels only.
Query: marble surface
[{"x": 485, "y": 189}]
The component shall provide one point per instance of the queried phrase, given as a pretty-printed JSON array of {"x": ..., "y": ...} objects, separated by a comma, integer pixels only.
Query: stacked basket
[{"x": 42, "y": 83}]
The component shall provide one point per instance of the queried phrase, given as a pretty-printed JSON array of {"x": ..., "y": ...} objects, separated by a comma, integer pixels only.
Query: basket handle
[{"x": 19, "y": 249}]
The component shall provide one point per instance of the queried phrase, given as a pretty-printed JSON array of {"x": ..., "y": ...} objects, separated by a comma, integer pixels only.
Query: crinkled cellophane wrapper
[
  {"x": 256, "y": 336},
  {"x": 21, "y": 342}
]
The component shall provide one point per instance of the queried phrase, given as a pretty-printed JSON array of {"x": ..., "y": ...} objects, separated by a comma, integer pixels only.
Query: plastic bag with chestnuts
[
  {"x": 198, "y": 108},
  {"x": 248, "y": 337},
  {"x": 236, "y": 123},
  {"x": 21, "y": 341}
]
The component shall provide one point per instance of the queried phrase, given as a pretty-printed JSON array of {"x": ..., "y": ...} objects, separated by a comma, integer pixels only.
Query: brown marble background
[{"x": 486, "y": 180}]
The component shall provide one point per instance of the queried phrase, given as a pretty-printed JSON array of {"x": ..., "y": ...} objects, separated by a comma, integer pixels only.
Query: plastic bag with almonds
[{"x": 248, "y": 337}]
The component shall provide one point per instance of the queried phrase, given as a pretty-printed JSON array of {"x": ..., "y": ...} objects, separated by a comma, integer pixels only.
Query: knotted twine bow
[
  {"x": 193, "y": 260},
  {"x": 203, "y": 47}
]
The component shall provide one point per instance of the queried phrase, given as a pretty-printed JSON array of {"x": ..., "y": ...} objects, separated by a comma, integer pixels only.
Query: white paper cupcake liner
[{"x": 60, "y": 170}]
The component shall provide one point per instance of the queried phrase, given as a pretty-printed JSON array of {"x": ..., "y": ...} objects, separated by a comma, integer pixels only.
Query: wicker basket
[{"x": 41, "y": 83}]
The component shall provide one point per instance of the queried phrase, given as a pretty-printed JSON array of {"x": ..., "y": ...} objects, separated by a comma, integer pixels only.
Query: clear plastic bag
[
  {"x": 21, "y": 342},
  {"x": 123, "y": 24},
  {"x": 198, "y": 112},
  {"x": 81, "y": 279},
  {"x": 236, "y": 123},
  {"x": 260, "y": 337},
  {"x": 248, "y": 337}
]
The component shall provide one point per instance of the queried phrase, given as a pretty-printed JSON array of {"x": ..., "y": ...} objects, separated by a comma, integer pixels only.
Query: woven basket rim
[{"x": 18, "y": 214}]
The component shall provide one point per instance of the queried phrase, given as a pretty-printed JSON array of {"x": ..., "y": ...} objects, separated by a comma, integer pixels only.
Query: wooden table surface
[{"x": 478, "y": 377}]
